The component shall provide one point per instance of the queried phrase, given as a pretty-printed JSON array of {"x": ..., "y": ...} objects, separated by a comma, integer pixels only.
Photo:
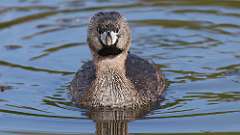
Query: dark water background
[{"x": 196, "y": 42}]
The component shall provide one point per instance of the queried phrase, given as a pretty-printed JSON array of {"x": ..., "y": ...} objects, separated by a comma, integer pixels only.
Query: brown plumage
[{"x": 114, "y": 78}]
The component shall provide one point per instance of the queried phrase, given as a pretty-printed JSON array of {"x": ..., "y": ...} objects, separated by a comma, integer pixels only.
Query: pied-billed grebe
[{"x": 114, "y": 78}]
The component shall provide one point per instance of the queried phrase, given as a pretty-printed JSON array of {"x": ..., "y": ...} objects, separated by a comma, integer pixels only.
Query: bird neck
[{"x": 111, "y": 65}]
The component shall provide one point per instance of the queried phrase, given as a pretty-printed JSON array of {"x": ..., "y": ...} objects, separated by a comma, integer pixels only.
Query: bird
[{"x": 114, "y": 78}]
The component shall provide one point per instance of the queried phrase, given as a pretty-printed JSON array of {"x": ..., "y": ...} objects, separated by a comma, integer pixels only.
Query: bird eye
[
  {"x": 116, "y": 30},
  {"x": 100, "y": 31}
]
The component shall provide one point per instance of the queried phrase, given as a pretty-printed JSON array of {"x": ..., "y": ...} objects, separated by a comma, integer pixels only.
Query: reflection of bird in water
[
  {"x": 115, "y": 122},
  {"x": 114, "y": 78}
]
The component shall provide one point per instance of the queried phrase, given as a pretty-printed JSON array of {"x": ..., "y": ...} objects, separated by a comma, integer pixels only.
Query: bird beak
[{"x": 109, "y": 38}]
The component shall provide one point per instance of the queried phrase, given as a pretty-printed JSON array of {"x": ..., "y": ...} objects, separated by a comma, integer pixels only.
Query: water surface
[{"x": 196, "y": 43}]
